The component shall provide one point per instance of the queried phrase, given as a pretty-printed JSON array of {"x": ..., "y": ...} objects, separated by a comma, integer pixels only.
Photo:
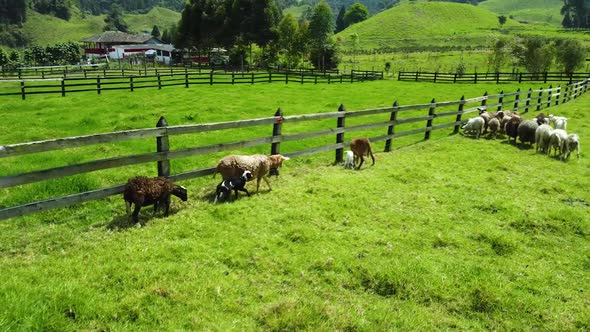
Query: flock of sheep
[
  {"x": 536, "y": 131},
  {"x": 236, "y": 171}
]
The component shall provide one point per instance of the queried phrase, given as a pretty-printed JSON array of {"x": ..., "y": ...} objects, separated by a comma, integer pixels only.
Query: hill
[
  {"x": 543, "y": 11},
  {"x": 47, "y": 29},
  {"x": 428, "y": 24}
]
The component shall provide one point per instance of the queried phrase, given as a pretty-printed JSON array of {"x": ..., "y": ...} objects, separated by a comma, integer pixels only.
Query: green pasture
[
  {"x": 449, "y": 233},
  {"x": 540, "y": 11},
  {"x": 48, "y": 30}
]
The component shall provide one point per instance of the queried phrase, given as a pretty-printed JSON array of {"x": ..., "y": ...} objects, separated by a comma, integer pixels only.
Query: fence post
[
  {"x": 519, "y": 77},
  {"x": 22, "y": 87},
  {"x": 528, "y": 100},
  {"x": 287, "y": 77},
  {"x": 340, "y": 136},
  {"x": 131, "y": 83},
  {"x": 63, "y": 87},
  {"x": 98, "y": 85},
  {"x": 276, "y": 131},
  {"x": 549, "y": 97},
  {"x": 390, "y": 129},
  {"x": 484, "y": 102},
  {"x": 269, "y": 76},
  {"x": 516, "y": 99},
  {"x": 558, "y": 95},
  {"x": 159, "y": 82},
  {"x": 564, "y": 99},
  {"x": 459, "y": 114},
  {"x": 185, "y": 77},
  {"x": 252, "y": 79},
  {"x": 501, "y": 100},
  {"x": 435, "y": 74},
  {"x": 539, "y": 100},
  {"x": 497, "y": 77},
  {"x": 430, "y": 118},
  {"x": 163, "y": 145},
  {"x": 475, "y": 78},
  {"x": 301, "y": 77},
  {"x": 545, "y": 77}
]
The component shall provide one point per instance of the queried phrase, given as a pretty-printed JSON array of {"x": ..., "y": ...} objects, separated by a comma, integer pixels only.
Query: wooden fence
[
  {"x": 419, "y": 123},
  {"x": 437, "y": 77},
  {"x": 132, "y": 80}
]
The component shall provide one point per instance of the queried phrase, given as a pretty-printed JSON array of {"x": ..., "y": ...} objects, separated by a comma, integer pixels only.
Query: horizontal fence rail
[
  {"x": 498, "y": 77},
  {"x": 447, "y": 114},
  {"x": 131, "y": 80}
]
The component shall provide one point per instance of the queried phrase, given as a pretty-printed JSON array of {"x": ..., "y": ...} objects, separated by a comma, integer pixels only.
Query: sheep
[
  {"x": 474, "y": 126},
  {"x": 512, "y": 127},
  {"x": 559, "y": 122},
  {"x": 557, "y": 142},
  {"x": 503, "y": 123},
  {"x": 494, "y": 126},
  {"x": 349, "y": 160},
  {"x": 486, "y": 116},
  {"x": 361, "y": 147},
  {"x": 572, "y": 143},
  {"x": 526, "y": 131},
  {"x": 233, "y": 183},
  {"x": 144, "y": 191},
  {"x": 542, "y": 136},
  {"x": 260, "y": 166},
  {"x": 541, "y": 119}
]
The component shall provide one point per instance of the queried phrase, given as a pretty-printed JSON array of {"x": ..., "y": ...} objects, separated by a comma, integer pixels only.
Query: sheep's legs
[
  {"x": 362, "y": 161},
  {"x": 244, "y": 190},
  {"x": 267, "y": 182},
  {"x": 136, "y": 212},
  {"x": 128, "y": 207}
]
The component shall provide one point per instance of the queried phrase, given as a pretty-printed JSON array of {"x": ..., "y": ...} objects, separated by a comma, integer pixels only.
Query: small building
[
  {"x": 104, "y": 43},
  {"x": 157, "y": 52}
]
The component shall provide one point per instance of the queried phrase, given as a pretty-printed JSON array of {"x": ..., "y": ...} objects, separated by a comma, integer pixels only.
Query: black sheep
[
  {"x": 144, "y": 191},
  {"x": 233, "y": 183}
]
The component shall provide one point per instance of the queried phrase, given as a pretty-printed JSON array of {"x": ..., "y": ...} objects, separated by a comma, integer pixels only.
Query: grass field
[{"x": 450, "y": 233}]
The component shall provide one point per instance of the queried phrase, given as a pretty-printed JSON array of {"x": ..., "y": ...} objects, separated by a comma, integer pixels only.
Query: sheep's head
[
  {"x": 180, "y": 192},
  {"x": 276, "y": 160},
  {"x": 247, "y": 175},
  {"x": 481, "y": 110}
]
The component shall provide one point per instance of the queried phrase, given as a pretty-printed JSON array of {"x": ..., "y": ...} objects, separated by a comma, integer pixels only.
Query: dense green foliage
[
  {"x": 114, "y": 20},
  {"x": 451, "y": 233},
  {"x": 576, "y": 14},
  {"x": 356, "y": 13}
]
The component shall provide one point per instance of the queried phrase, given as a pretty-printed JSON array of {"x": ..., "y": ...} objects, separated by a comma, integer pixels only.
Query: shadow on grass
[
  {"x": 125, "y": 221},
  {"x": 520, "y": 146}
]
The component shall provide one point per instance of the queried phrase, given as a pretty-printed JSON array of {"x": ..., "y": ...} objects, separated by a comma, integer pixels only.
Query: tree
[
  {"x": 570, "y": 54},
  {"x": 288, "y": 30},
  {"x": 576, "y": 14},
  {"x": 502, "y": 20},
  {"x": 356, "y": 13},
  {"x": 340, "y": 23},
  {"x": 535, "y": 54},
  {"x": 155, "y": 32},
  {"x": 499, "y": 55},
  {"x": 321, "y": 28},
  {"x": 114, "y": 20},
  {"x": 3, "y": 58},
  {"x": 13, "y": 11}
]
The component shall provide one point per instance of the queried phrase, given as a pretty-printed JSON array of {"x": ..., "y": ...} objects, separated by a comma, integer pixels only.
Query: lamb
[
  {"x": 526, "y": 131},
  {"x": 512, "y": 127},
  {"x": 144, "y": 191},
  {"x": 474, "y": 126},
  {"x": 233, "y": 183},
  {"x": 349, "y": 160},
  {"x": 557, "y": 142},
  {"x": 541, "y": 119},
  {"x": 486, "y": 116},
  {"x": 542, "y": 136},
  {"x": 559, "y": 122},
  {"x": 260, "y": 166},
  {"x": 361, "y": 147},
  {"x": 572, "y": 143}
]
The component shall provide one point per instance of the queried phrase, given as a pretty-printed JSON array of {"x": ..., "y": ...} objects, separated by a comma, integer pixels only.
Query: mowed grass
[{"x": 450, "y": 233}]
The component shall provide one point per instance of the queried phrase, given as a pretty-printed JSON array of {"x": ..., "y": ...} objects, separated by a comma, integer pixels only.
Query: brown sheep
[
  {"x": 512, "y": 127},
  {"x": 361, "y": 147},
  {"x": 260, "y": 166},
  {"x": 144, "y": 191}
]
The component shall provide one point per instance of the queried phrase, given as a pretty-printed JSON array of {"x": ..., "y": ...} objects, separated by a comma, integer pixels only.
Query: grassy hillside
[
  {"x": 543, "y": 11},
  {"x": 45, "y": 29},
  {"x": 427, "y": 24},
  {"x": 452, "y": 233}
]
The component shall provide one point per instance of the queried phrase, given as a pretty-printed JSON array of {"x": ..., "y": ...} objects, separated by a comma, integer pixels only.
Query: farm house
[{"x": 119, "y": 45}]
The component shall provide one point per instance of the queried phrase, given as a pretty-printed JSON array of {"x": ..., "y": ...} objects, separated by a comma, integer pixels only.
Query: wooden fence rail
[
  {"x": 522, "y": 101},
  {"x": 130, "y": 82},
  {"x": 497, "y": 77}
]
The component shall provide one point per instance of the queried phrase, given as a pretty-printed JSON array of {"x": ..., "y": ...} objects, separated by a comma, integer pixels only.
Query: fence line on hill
[
  {"x": 498, "y": 77},
  {"x": 132, "y": 80},
  {"x": 531, "y": 100}
]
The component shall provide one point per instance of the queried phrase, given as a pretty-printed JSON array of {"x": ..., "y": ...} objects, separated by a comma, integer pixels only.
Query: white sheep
[
  {"x": 474, "y": 126},
  {"x": 572, "y": 143},
  {"x": 349, "y": 160},
  {"x": 260, "y": 166},
  {"x": 542, "y": 137},
  {"x": 557, "y": 142},
  {"x": 559, "y": 122}
]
